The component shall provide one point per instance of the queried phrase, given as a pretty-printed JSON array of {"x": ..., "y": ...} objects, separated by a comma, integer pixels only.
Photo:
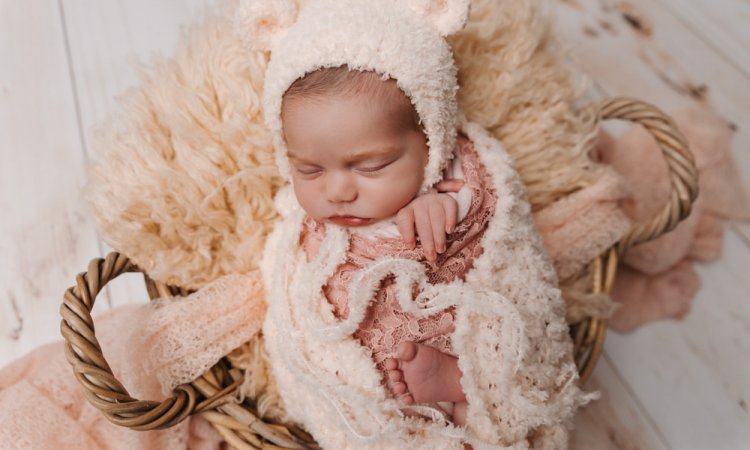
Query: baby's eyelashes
[
  {"x": 308, "y": 170},
  {"x": 373, "y": 167}
]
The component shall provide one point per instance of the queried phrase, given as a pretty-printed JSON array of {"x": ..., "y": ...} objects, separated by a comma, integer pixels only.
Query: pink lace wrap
[{"x": 385, "y": 325}]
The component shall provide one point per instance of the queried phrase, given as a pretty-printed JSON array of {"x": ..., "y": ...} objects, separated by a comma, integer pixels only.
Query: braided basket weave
[{"x": 239, "y": 423}]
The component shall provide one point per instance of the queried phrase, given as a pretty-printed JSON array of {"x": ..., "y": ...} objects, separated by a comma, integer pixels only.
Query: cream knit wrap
[{"x": 510, "y": 334}]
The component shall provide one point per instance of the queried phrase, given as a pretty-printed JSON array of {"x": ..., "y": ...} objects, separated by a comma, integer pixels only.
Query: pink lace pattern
[{"x": 385, "y": 325}]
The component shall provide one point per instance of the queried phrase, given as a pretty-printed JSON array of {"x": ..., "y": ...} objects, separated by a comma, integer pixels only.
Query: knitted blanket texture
[{"x": 510, "y": 334}]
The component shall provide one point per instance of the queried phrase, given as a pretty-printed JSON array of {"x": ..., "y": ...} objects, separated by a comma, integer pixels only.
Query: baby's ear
[
  {"x": 260, "y": 24},
  {"x": 447, "y": 16}
]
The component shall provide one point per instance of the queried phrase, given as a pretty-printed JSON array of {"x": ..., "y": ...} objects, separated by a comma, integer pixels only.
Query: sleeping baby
[{"x": 411, "y": 304}]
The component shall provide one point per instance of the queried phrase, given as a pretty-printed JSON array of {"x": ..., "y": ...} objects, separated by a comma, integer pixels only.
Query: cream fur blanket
[
  {"x": 510, "y": 335},
  {"x": 184, "y": 178}
]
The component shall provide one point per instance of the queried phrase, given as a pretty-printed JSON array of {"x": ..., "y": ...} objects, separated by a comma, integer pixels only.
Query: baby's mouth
[{"x": 349, "y": 221}]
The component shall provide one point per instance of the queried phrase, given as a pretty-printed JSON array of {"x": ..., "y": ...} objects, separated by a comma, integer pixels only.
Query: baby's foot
[{"x": 422, "y": 374}]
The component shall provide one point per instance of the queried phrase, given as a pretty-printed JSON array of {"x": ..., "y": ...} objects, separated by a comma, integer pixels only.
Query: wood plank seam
[
  {"x": 745, "y": 238},
  {"x": 700, "y": 35},
  {"x": 79, "y": 120},
  {"x": 597, "y": 91},
  {"x": 644, "y": 412}
]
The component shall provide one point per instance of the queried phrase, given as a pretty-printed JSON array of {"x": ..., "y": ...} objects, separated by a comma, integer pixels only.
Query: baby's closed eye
[
  {"x": 373, "y": 167},
  {"x": 308, "y": 169}
]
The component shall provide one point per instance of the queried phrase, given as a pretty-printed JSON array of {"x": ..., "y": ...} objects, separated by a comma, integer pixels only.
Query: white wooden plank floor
[{"x": 671, "y": 385}]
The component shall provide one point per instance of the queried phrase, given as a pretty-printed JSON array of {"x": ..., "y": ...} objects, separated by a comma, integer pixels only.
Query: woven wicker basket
[{"x": 239, "y": 423}]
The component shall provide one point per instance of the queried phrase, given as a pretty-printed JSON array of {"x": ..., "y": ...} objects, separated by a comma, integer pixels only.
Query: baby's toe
[
  {"x": 398, "y": 388},
  {"x": 395, "y": 375},
  {"x": 406, "y": 351},
  {"x": 406, "y": 399},
  {"x": 391, "y": 364}
]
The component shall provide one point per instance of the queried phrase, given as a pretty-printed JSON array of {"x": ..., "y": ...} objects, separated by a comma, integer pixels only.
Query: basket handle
[
  {"x": 588, "y": 336},
  {"x": 212, "y": 390},
  {"x": 683, "y": 174},
  {"x": 83, "y": 352}
]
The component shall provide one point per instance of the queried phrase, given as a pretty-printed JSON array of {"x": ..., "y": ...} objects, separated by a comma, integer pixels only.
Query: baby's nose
[{"x": 340, "y": 187}]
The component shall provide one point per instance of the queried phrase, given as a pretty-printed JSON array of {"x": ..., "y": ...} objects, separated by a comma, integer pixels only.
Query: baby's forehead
[
  {"x": 345, "y": 82},
  {"x": 367, "y": 88}
]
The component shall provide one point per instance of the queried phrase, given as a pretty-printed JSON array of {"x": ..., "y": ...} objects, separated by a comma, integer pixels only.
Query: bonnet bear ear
[
  {"x": 260, "y": 24},
  {"x": 446, "y": 16}
]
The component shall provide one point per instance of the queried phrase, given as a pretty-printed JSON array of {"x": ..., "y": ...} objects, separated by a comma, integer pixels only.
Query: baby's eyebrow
[
  {"x": 370, "y": 154},
  {"x": 294, "y": 157}
]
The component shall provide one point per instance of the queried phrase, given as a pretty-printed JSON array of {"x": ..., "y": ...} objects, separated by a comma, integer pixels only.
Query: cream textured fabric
[
  {"x": 510, "y": 335},
  {"x": 184, "y": 176}
]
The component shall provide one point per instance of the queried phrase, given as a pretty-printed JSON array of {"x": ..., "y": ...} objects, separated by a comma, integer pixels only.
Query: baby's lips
[{"x": 350, "y": 221}]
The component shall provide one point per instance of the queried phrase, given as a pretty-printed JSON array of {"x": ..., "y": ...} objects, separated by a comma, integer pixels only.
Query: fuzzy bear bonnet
[{"x": 398, "y": 39}]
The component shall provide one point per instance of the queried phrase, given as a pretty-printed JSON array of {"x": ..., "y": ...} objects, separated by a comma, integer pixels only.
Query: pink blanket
[
  {"x": 151, "y": 351},
  {"x": 657, "y": 279}
]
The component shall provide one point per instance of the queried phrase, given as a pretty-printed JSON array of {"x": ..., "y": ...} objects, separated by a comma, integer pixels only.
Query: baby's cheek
[
  {"x": 308, "y": 197},
  {"x": 390, "y": 195}
]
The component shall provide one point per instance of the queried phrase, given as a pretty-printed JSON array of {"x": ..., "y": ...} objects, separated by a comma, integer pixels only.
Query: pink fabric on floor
[
  {"x": 42, "y": 405},
  {"x": 579, "y": 227},
  {"x": 658, "y": 280},
  {"x": 646, "y": 298}
]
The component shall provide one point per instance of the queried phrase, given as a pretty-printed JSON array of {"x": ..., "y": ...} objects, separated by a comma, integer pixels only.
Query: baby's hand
[{"x": 434, "y": 215}]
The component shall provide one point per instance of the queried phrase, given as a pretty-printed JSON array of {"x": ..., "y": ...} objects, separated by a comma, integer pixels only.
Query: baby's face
[{"x": 353, "y": 162}]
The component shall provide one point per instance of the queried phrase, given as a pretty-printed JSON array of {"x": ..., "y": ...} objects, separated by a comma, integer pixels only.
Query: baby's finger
[
  {"x": 437, "y": 223},
  {"x": 424, "y": 230},
  {"x": 449, "y": 185},
  {"x": 405, "y": 225},
  {"x": 451, "y": 214}
]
